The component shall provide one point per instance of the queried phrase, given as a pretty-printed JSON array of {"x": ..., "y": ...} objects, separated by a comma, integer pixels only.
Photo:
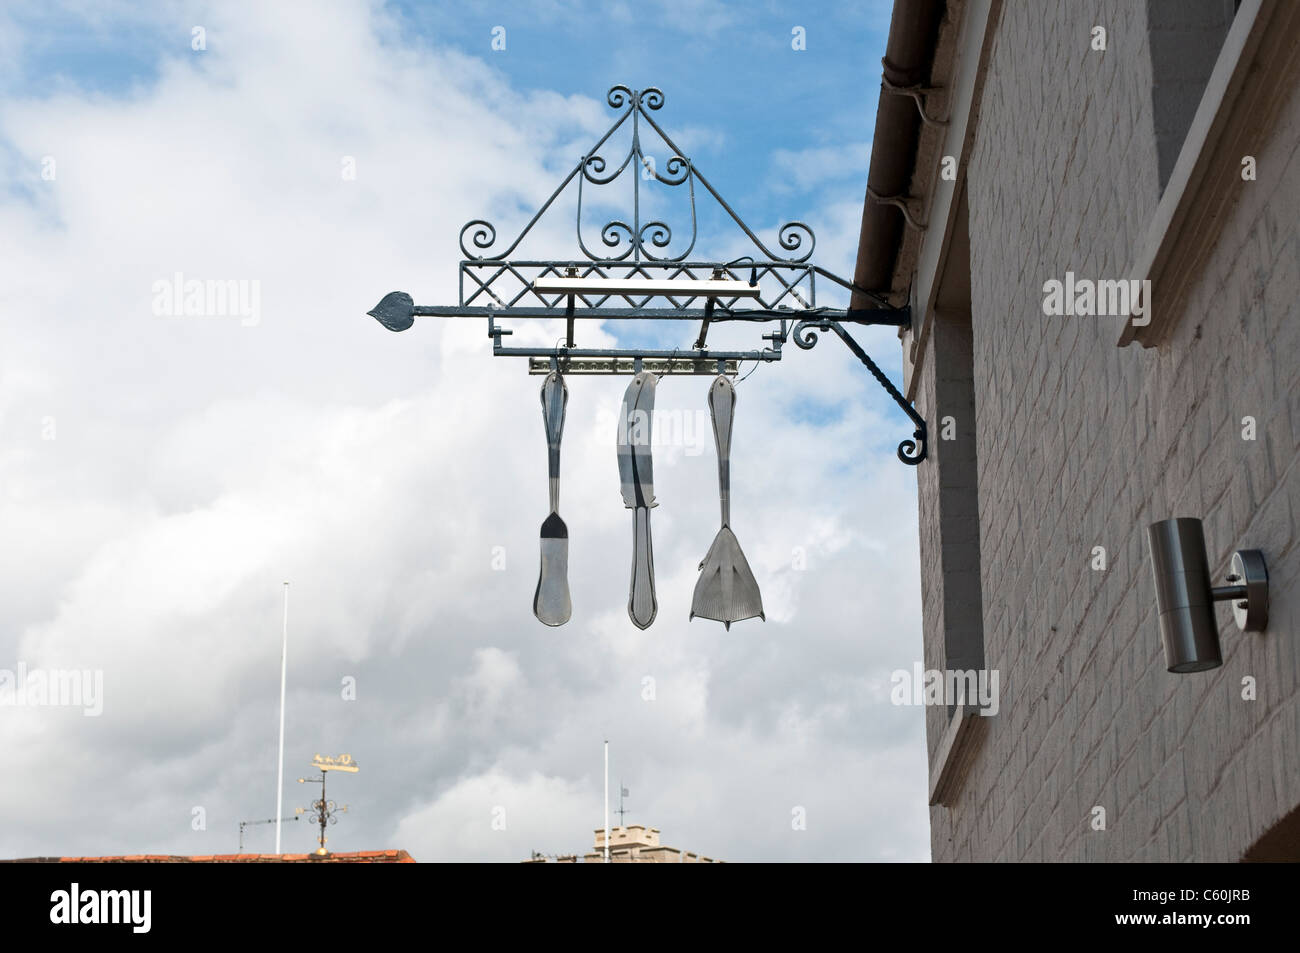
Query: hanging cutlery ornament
[
  {"x": 636, "y": 473},
  {"x": 726, "y": 590},
  {"x": 551, "y": 603}
]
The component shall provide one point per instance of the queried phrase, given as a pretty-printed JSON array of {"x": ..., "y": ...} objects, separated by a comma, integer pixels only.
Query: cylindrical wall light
[{"x": 1185, "y": 600}]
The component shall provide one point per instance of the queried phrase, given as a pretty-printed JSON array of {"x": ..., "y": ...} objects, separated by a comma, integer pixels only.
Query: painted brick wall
[{"x": 1082, "y": 444}]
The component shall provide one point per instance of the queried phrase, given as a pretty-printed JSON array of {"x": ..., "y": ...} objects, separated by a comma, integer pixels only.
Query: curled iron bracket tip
[{"x": 911, "y": 452}]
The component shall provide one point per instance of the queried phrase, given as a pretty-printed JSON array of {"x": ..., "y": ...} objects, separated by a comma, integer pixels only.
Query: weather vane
[{"x": 323, "y": 811}]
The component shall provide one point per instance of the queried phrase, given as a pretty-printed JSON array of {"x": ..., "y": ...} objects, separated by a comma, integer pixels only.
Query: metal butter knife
[{"x": 636, "y": 474}]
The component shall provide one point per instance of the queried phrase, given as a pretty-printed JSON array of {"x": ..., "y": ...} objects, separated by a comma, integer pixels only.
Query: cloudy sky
[{"x": 162, "y": 476}]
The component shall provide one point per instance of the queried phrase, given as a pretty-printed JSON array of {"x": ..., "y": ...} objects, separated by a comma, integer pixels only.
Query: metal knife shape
[
  {"x": 551, "y": 603},
  {"x": 636, "y": 474}
]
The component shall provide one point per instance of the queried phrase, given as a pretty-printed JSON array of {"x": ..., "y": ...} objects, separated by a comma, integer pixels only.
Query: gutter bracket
[
  {"x": 903, "y": 203},
  {"x": 917, "y": 93}
]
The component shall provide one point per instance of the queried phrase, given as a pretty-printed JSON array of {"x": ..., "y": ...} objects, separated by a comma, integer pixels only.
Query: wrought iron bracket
[
  {"x": 910, "y": 452},
  {"x": 640, "y": 265}
]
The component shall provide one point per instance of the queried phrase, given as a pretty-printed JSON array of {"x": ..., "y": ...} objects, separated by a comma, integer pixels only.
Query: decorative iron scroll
[
  {"x": 637, "y": 105},
  {"x": 637, "y": 245}
]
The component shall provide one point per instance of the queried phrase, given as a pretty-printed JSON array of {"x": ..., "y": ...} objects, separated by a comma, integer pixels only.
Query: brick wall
[{"x": 1081, "y": 443}]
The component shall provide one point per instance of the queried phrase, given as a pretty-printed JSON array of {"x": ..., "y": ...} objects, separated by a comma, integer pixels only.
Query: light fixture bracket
[{"x": 1248, "y": 590}]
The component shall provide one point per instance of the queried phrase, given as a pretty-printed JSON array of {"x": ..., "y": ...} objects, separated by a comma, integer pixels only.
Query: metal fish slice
[
  {"x": 726, "y": 590},
  {"x": 636, "y": 474},
  {"x": 551, "y": 602}
]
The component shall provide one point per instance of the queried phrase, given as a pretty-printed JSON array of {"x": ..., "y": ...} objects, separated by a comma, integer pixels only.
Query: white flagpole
[
  {"x": 284, "y": 665},
  {"x": 607, "y": 802}
]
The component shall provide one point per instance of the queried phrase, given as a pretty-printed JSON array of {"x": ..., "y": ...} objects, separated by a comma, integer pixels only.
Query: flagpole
[
  {"x": 284, "y": 665},
  {"x": 607, "y": 801}
]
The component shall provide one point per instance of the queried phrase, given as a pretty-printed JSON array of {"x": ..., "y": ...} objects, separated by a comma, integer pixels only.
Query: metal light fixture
[{"x": 1185, "y": 600}]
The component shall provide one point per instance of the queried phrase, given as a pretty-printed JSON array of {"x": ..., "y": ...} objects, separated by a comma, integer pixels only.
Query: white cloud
[
  {"x": 197, "y": 464},
  {"x": 819, "y": 165},
  {"x": 498, "y": 817}
]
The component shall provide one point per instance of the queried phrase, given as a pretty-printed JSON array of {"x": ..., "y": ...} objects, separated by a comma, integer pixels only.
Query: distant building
[{"x": 633, "y": 844}]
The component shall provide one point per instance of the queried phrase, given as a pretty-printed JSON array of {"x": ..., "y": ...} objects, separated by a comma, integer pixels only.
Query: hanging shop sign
[{"x": 640, "y": 271}]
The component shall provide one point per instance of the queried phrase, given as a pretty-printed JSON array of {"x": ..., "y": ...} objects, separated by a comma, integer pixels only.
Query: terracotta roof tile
[{"x": 356, "y": 857}]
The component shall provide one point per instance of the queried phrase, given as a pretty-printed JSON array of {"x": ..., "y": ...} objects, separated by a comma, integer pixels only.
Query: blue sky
[
  {"x": 724, "y": 67},
  {"x": 783, "y": 134},
  {"x": 778, "y": 131},
  {"x": 169, "y": 472}
]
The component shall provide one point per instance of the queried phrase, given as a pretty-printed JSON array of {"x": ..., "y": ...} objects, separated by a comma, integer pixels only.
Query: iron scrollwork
[
  {"x": 911, "y": 452},
  {"x": 639, "y": 246},
  {"x": 642, "y": 238}
]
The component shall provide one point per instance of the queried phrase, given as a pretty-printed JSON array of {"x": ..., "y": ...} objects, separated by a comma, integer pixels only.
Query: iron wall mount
[
  {"x": 910, "y": 452},
  {"x": 494, "y": 286}
]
